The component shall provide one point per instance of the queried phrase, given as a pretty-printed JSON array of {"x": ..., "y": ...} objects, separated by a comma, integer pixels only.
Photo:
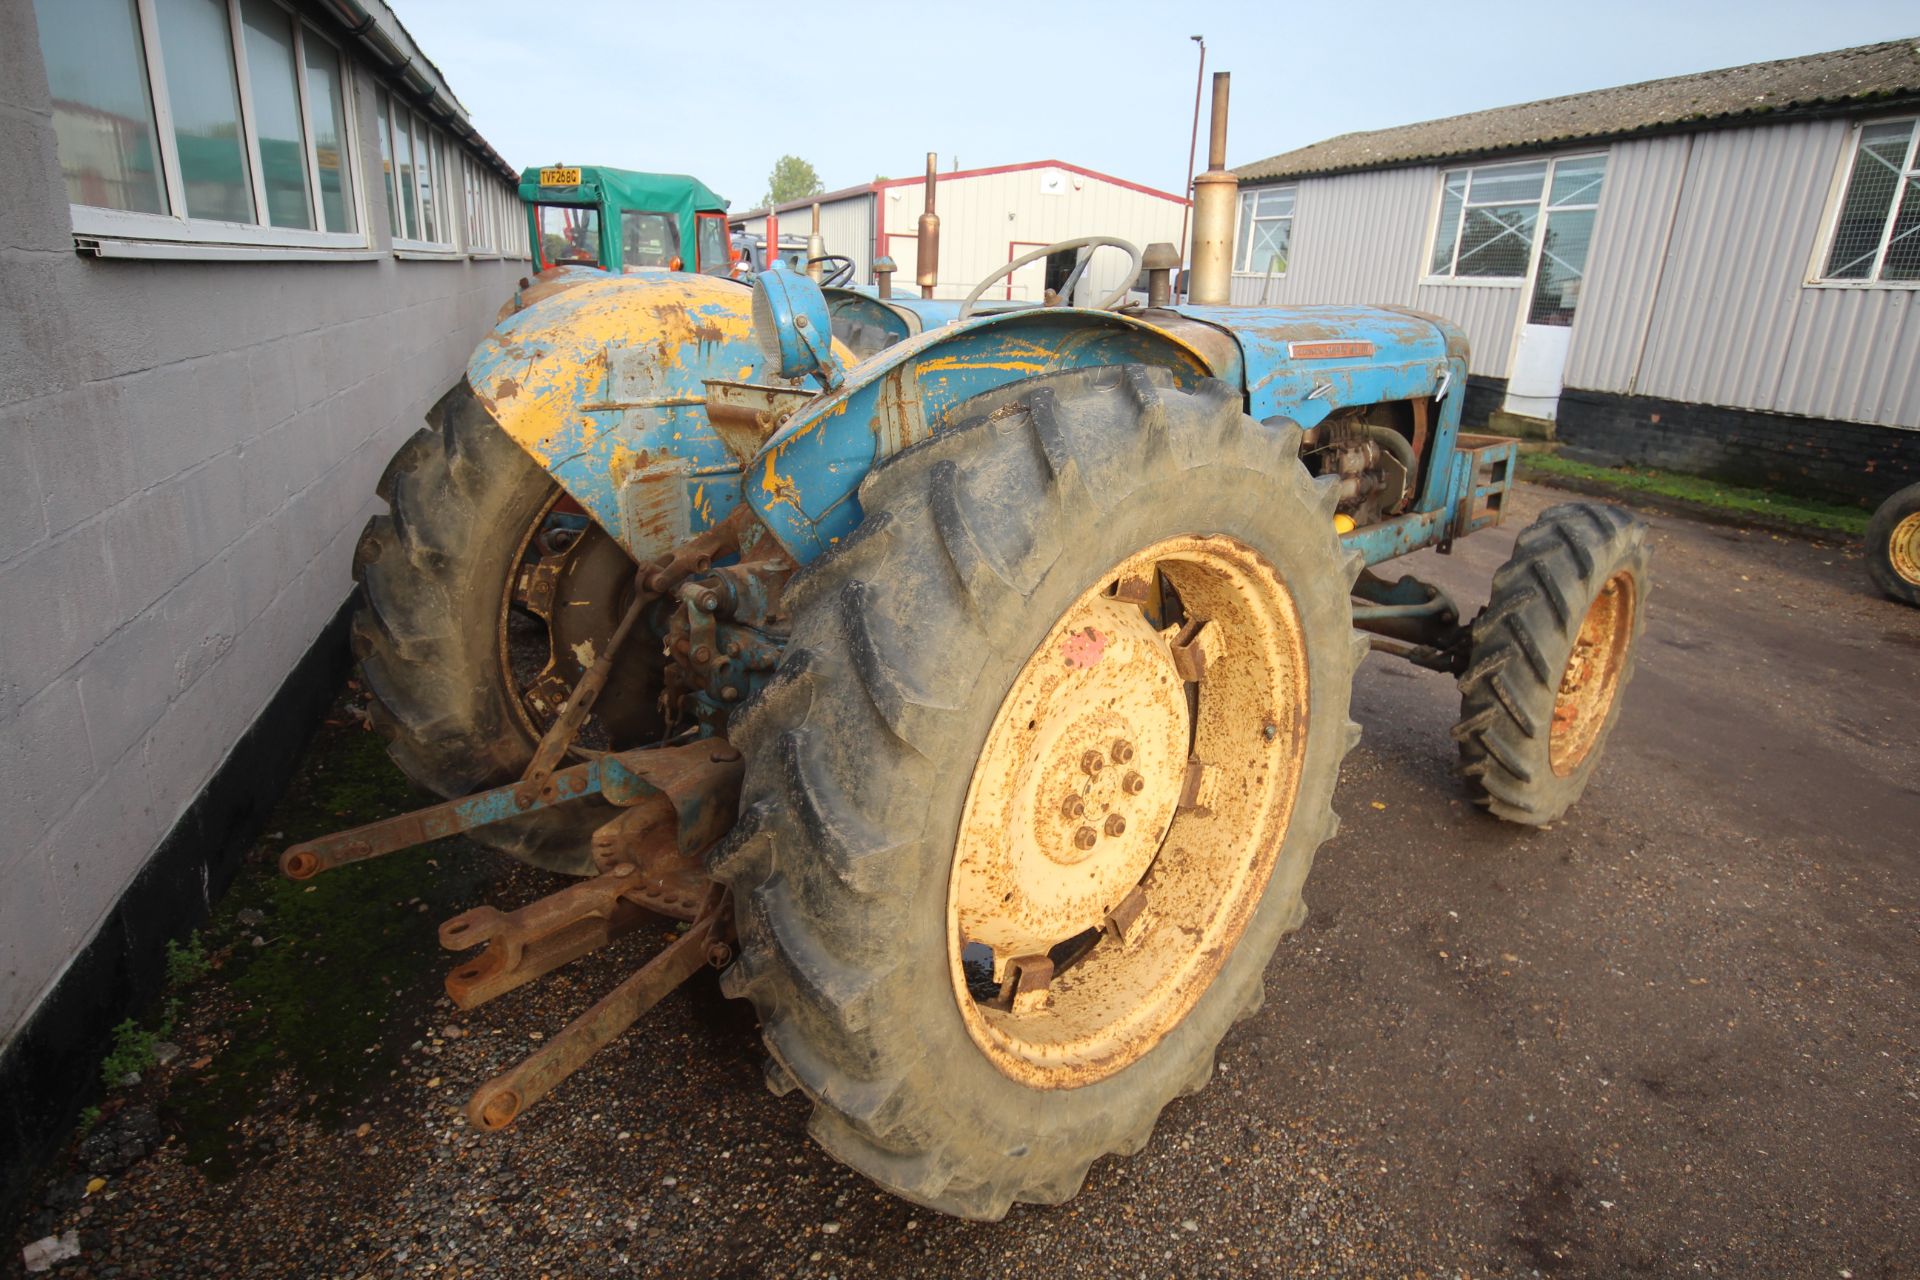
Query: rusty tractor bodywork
[{"x": 713, "y": 450}]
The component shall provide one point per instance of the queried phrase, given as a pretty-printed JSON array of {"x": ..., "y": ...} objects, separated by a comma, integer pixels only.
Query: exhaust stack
[
  {"x": 1213, "y": 199},
  {"x": 816, "y": 246},
  {"x": 927, "y": 271}
]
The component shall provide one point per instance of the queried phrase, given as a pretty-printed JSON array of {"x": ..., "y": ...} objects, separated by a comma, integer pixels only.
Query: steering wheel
[
  {"x": 1089, "y": 243},
  {"x": 841, "y": 273}
]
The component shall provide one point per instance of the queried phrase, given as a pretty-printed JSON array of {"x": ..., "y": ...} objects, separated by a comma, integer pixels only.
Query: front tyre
[
  {"x": 1551, "y": 653},
  {"x": 1031, "y": 798},
  {"x": 1893, "y": 546}
]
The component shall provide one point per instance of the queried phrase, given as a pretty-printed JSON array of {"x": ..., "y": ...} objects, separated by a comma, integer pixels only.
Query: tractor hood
[{"x": 1305, "y": 362}]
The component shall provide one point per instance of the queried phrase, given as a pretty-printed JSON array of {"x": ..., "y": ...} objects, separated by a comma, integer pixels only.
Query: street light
[{"x": 1193, "y": 142}]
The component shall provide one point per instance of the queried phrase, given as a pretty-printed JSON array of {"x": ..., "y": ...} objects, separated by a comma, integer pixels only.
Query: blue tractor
[{"x": 976, "y": 698}]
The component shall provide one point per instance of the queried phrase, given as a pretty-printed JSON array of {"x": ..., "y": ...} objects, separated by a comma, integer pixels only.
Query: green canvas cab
[{"x": 622, "y": 221}]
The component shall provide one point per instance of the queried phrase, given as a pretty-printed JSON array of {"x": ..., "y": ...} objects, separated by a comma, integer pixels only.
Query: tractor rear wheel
[
  {"x": 1030, "y": 800},
  {"x": 1551, "y": 653},
  {"x": 468, "y": 652},
  {"x": 1893, "y": 546}
]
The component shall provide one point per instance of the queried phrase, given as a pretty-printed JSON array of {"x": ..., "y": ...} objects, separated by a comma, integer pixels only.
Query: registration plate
[{"x": 559, "y": 177}]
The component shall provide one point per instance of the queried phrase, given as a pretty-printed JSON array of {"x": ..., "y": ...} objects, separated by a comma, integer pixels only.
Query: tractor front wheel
[
  {"x": 1893, "y": 546},
  {"x": 1030, "y": 800},
  {"x": 1551, "y": 653}
]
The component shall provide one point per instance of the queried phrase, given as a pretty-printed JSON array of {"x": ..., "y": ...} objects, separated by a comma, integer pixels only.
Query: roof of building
[
  {"x": 379, "y": 33},
  {"x": 1844, "y": 77},
  {"x": 868, "y": 188}
]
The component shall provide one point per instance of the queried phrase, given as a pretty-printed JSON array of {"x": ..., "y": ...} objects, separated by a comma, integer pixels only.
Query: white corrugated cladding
[
  {"x": 1718, "y": 310},
  {"x": 988, "y": 219},
  {"x": 1361, "y": 238},
  {"x": 846, "y": 225}
]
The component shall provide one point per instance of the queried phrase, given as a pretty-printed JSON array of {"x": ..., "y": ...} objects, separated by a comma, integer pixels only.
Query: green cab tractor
[{"x": 622, "y": 221}]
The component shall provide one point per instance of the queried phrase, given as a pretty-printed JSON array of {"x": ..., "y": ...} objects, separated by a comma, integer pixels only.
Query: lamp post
[{"x": 1193, "y": 143}]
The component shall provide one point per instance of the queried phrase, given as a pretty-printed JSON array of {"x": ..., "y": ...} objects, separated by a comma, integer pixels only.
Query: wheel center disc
[
  {"x": 1903, "y": 549},
  {"x": 1092, "y": 761},
  {"x": 1592, "y": 675},
  {"x": 1127, "y": 809}
]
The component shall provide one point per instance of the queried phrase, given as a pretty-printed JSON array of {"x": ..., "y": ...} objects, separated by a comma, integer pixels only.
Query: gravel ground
[{"x": 1673, "y": 1034}]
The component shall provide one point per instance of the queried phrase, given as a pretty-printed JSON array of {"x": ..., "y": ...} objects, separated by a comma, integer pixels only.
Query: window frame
[
  {"x": 1542, "y": 206},
  {"x": 1248, "y": 272},
  {"x": 1816, "y": 277},
  {"x": 428, "y": 145},
  {"x": 95, "y": 221}
]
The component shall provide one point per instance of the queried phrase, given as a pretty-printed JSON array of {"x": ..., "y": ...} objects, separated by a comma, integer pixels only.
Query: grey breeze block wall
[{"x": 187, "y": 453}]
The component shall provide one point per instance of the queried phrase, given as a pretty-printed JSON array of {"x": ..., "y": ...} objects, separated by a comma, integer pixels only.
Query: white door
[{"x": 1554, "y": 283}]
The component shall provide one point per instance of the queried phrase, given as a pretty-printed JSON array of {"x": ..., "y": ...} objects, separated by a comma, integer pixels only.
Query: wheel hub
[
  {"x": 1093, "y": 758},
  {"x": 1903, "y": 549},
  {"x": 1127, "y": 809},
  {"x": 1592, "y": 675}
]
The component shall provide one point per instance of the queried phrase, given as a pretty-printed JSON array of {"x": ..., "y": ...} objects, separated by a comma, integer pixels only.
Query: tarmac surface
[{"x": 1673, "y": 1034}]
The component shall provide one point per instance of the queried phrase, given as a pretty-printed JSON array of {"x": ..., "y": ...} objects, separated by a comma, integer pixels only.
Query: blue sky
[{"x": 721, "y": 90}]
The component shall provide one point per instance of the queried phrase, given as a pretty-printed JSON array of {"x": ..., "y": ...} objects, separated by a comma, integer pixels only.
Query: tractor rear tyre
[
  {"x": 1551, "y": 653},
  {"x": 1893, "y": 546},
  {"x": 430, "y": 629},
  {"x": 1030, "y": 799}
]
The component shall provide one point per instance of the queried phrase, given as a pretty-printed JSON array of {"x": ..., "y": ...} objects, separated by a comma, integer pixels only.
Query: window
[
  {"x": 1876, "y": 233},
  {"x": 1266, "y": 231},
  {"x": 207, "y": 120},
  {"x": 1489, "y": 216},
  {"x": 715, "y": 258},
  {"x": 421, "y": 169},
  {"x": 648, "y": 240},
  {"x": 569, "y": 234}
]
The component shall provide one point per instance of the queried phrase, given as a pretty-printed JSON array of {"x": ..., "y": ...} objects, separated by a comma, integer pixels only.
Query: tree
[{"x": 792, "y": 179}]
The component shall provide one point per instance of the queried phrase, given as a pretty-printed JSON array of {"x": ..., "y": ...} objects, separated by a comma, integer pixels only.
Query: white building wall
[
  {"x": 1364, "y": 238},
  {"x": 988, "y": 219},
  {"x": 1732, "y": 318},
  {"x": 188, "y": 451}
]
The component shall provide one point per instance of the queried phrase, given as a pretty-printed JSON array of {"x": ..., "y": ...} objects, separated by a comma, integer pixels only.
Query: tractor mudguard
[
  {"x": 803, "y": 482},
  {"x": 603, "y": 383}
]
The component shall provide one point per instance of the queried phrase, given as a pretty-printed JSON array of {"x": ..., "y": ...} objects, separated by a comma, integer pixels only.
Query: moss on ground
[
  {"x": 1734, "y": 499},
  {"x": 348, "y": 965}
]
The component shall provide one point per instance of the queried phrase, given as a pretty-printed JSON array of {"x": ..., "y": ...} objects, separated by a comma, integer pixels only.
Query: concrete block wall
[{"x": 188, "y": 451}]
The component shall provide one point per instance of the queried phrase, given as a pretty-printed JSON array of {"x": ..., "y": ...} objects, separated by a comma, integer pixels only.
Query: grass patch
[
  {"x": 347, "y": 967},
  {"x": 132, "y": 1052},
  {"x": 187, "y": 964},
  {"x": 1809, "y": 512}
]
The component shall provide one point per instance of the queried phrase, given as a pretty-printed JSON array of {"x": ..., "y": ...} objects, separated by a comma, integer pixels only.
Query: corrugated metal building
[
  {"x": 1715, "y": 272},
  {"x": 988, "y": 217}
]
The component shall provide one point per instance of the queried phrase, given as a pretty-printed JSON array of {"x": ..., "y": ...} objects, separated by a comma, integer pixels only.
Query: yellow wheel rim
[
  {"x": 1126, "y": 811},
  {"x": 1591, "y": 679},
  {"x": 1903, "y": 549}
]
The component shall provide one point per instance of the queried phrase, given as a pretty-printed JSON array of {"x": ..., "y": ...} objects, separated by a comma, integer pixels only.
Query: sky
[{"x": 721, "y": 90}]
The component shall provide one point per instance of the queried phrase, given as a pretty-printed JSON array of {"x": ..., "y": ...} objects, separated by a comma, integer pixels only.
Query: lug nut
[
  {"x": 1073, "y": 806},
  {"x": 1122, "y": 751},
  {"x": 729, "y": 694},
  {"x": 1093, "y": 762},
  {"x": 1085, "y": 838},
  {"x": 1116, "y": 825},
  {"x": 1133, "y": 784},
  {"x": 702, "y": 653},
  {"x": 709, "y": 601}
]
